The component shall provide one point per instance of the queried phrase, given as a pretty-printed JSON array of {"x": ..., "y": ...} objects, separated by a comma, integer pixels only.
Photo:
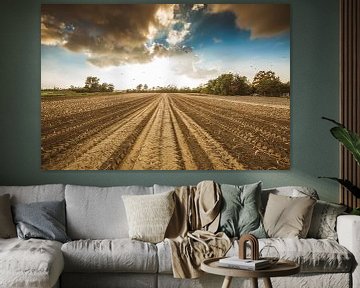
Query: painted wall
[{"x": 314, "y": 72}]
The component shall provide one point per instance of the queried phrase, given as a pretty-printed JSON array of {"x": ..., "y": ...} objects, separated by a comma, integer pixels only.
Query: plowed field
[{"x": 164, "y": 132}]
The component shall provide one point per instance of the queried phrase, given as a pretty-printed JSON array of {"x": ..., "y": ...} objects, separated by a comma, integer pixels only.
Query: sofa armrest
[{"x": 348, "y": 230}]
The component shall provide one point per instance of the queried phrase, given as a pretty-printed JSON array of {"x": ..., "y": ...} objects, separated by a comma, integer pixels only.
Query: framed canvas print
[{"x": 165, "y": 86}]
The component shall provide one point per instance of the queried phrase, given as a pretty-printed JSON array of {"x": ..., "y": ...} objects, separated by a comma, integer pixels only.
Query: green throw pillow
[{"x": 240, "y": 213}]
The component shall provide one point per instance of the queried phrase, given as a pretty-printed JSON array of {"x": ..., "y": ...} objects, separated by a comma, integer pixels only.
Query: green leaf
[
  {"x": 355, "y": 211},
  {"x": 348, "y": 138},
  {"x": 347, "y": 184}
]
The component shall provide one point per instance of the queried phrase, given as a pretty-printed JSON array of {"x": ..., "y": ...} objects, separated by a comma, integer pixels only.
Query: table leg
[
  {"x": 227, "y": 282},
  {"x": 254, "y": 282},
  {"x": 267, "y": 283}
]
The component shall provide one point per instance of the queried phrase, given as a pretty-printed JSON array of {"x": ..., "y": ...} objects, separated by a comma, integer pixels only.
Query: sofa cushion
[
  {"x": 323, "y": 222},
  {"x": 291, "y": 191},
  {"x": 30, "y": 263},
  {"x": 240, "y": 210},
  {"x": 117, "y": 255},
  {"x": 98, "y": 213},
  {"x": 149, "y": 215},
  {"x": 287, "y": 216},
  {"x": 7, "y": 226},
  {"x": 43, "y": 220},
  {"x": 313, "y": 255},
  {"x": 36, "y": 193}
]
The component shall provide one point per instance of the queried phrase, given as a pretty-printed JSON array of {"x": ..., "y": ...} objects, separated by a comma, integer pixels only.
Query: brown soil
[{"x": 164, "y": 132}]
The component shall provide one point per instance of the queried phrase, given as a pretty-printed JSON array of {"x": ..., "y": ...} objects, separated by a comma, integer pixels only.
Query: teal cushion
[{"x": 240, "y": 213}]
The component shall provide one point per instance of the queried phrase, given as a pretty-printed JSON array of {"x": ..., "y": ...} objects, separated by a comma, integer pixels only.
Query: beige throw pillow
[
  {"x": 148, "y": 215},
  {"x": 7, "y": 226},
  {"x": 288, "y": 217}
]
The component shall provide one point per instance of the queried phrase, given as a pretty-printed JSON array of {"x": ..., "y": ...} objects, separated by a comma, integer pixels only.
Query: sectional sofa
[{"x": 102, "y": 255}]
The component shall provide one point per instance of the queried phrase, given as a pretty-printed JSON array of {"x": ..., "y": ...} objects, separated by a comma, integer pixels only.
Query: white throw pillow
[{"x": 149, "y": 215}]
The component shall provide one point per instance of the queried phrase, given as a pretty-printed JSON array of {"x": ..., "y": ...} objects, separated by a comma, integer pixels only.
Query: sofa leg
[{"x": 254, "y": 282}]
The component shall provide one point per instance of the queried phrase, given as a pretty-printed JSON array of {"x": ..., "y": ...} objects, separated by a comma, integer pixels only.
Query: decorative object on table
[
  {"x": 241, "y": 261},
  {"x": 351, "y": 142},
  {"x": 254, "y": 246},
  {"x": 247, "y": 264},
  {"x": 269, "y": 253}
]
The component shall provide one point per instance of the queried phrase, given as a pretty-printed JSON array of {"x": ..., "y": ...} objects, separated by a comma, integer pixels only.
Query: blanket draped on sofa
[{"x": 191, "y": 231}]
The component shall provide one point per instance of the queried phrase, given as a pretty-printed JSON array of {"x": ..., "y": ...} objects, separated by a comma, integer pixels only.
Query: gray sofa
[{"x": 101, "y": 255}]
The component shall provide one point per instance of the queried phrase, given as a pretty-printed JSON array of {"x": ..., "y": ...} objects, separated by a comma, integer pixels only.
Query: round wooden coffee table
[{"x": 281, "y": 268}]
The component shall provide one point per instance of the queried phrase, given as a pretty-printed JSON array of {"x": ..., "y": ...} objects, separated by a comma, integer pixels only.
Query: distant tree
[
  {"x": 267, "y": 83},
  {"x": 92, "y": 84},
  {"x": 146, "y": 87},
  {"x": 110, "y": 87},
  {"x": 227, "y": 84},
  {"x": 139, "y": 87}
]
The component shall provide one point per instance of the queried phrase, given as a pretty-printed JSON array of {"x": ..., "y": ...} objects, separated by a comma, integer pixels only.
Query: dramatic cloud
[
  {"x": 197, "y": 7},
  {"x": 107, "y": 34},
  {"x": 160, "y": 44},
  {"x": 265, "y": 20},
  {"x": 190, "y": 65},
  {"x": 177, "y": 36}
]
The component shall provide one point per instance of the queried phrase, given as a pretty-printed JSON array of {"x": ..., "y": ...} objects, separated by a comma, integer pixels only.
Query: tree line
[
  {"x": 143, "y": 88},
  {"x": 265, "y": 83},
  {"x": 92, "y": 85}
]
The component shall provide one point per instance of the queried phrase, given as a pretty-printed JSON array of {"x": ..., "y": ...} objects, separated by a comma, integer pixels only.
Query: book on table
[{"x": 236, "y": 262}]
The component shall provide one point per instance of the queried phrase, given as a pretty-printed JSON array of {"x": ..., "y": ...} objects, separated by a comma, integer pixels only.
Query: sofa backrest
[
  {"x": 98, "y": 212},
  {"x": 36, "y": 193},
  {"x": 163, "y": 188}
]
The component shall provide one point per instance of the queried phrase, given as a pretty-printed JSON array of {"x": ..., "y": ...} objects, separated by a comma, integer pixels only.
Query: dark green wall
[{"x": 314, "y": 79}]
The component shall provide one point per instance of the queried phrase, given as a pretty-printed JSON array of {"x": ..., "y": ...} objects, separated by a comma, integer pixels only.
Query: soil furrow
[
  {"x": 247, "y": 148},
  {"x": 176, "y": 131},
  {"x": 64, "y": 142}
]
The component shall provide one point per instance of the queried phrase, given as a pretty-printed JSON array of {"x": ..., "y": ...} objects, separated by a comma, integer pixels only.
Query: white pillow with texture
[
  {"x": 323, "y": 222},
  {"x": 149, "y": 215}
]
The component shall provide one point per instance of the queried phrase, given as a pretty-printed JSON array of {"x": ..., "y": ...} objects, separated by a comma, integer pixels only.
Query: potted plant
[{"x": 351, "y": 141}]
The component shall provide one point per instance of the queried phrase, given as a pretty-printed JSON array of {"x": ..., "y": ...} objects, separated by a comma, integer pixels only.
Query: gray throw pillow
[
  {"x": 323, "y": 222},
  {"x": 240, "y": 213},
  {"x": 43, "y": 220},
  {"x": 7, "y": 227}
]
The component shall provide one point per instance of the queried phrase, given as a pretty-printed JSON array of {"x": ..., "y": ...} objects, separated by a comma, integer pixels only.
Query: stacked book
[{"x": 248, "y": 264}]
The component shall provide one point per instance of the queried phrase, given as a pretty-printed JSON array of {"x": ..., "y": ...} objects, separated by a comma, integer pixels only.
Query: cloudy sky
[{"x": 162, "y": 44}]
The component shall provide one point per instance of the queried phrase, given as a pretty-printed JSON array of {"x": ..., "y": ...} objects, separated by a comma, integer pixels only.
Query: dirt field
[{"x": 164, "y": 132}]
